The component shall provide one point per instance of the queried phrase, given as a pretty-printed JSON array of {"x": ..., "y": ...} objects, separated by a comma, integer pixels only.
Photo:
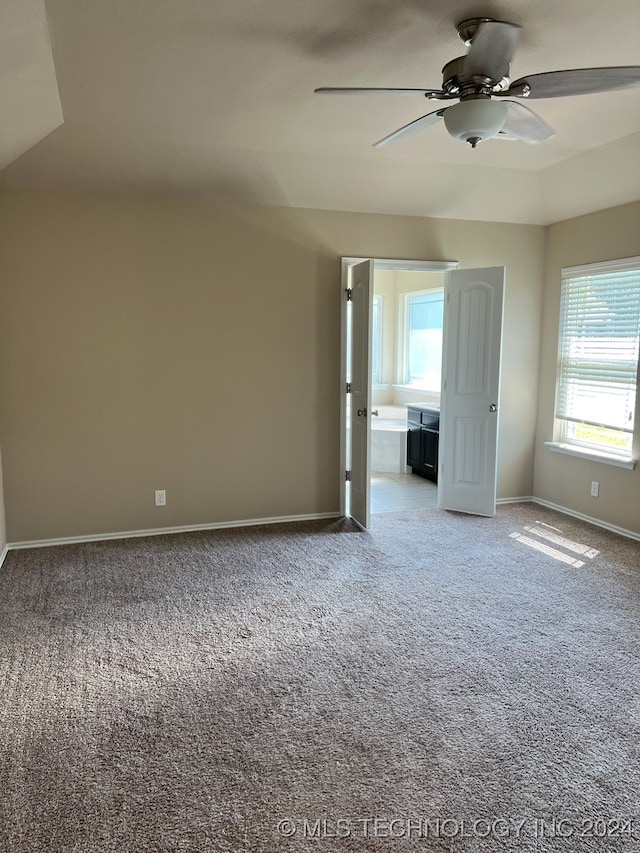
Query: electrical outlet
[
  {"x": 161, "y": 497},
  {"x": 595, "y": 488}
]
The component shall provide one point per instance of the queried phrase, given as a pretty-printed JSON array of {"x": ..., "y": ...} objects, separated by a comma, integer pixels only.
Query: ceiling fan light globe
[{"x": 475, "y": 119}]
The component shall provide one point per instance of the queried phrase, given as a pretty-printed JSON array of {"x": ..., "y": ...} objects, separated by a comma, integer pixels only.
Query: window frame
[
  {"x": 404, "y": 337},
  {"x": 569, "y": 315}
]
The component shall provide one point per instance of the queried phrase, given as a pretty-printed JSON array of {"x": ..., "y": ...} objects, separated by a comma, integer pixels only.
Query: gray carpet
[{"x": 442, "y": 683}]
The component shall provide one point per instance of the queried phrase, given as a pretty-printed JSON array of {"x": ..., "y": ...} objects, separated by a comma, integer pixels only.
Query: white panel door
[
  {"x": 471, "y": 386},
  {"x": 359, "y": 401}
]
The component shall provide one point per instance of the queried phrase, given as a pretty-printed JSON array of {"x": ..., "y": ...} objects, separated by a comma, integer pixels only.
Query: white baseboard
[
  {"x": 163, "y": 531},
  {"x": 597, "y": 522},
  {"x": 251, "y": 522},
  {"x": 622, "y": 531}
]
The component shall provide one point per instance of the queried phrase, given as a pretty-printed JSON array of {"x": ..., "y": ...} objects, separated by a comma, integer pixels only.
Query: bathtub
[{"x": 389, "y": 440}]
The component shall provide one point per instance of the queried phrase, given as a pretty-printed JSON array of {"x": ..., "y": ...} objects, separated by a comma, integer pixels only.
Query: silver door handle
[
  {"x": 362, "y": 413},
  {"x": 493, "y": 407},
  {"x": 375, "y": 413}
]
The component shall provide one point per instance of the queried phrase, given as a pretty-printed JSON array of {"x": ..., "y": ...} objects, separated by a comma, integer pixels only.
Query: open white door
[
  {"x": 359, "y": 401},
  {"x": 471, "y": 385}
]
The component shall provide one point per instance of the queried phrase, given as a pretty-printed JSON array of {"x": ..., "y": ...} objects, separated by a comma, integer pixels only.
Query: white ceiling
[{"x": 211, "y": 97}]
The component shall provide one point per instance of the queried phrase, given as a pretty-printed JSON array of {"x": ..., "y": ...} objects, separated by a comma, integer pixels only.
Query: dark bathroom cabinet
[{"x": 423, "y": 437}]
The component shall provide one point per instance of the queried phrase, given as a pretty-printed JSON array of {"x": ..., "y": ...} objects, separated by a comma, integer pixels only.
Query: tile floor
[{"x": 392, "y": 492}]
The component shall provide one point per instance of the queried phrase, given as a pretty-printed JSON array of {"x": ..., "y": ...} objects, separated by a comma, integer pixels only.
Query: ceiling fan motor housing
[{"x": 457, "y": 83}]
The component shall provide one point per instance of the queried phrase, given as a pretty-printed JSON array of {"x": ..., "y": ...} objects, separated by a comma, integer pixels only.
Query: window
[
  {"x": 598, "y": 355},
  {"x": 423, "y": 340},
  {"x": 376, "y": 341}
]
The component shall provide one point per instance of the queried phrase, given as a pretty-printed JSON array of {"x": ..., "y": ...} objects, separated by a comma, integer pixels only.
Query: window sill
[{"x": 591, "y": 455}]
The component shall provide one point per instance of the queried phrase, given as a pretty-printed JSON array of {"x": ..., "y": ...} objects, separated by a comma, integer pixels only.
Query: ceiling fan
[{"x": 480, "y": 82}]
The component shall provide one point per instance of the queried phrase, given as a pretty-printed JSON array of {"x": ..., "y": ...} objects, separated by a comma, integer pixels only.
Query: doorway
[
  {"x": 468, "y": 421},
  {"x": 406, "y": 367},
  {"x": 404, "y": 315}
]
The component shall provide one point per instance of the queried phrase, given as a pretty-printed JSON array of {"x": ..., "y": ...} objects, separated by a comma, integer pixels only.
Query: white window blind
[
  {"x": 598, "y": 345},
  {"x": 423, "y": 339}
]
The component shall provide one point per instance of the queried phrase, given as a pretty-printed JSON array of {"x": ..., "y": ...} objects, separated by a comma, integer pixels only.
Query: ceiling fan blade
[
  {"x": 345, "y": 90},
  {"x": 525, "y": 125},
  {"x": 492, "y": 49},
  {"x": 413, "y": 127},
  {"x": 577, "y": 81}
]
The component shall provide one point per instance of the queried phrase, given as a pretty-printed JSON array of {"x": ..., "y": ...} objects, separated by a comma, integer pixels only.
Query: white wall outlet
[
  {"x": 161, "y": 497},
  {"x": 595, "y": 488}
]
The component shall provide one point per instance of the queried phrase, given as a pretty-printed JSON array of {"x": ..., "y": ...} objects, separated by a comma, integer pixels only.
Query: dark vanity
[{"x": 423, "y": 435}]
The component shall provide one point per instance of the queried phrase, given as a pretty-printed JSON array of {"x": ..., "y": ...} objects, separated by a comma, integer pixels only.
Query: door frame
[{"x": 378, "y": 264}]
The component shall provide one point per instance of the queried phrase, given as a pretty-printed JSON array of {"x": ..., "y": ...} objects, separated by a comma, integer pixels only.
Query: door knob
[
  {"x": 493, "y": 407},
  {"x": 375, "y": 413},
  {"x": 362, "y": 413}
]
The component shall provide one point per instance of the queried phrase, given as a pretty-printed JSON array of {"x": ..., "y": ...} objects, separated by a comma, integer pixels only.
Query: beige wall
[
  {"x": 151, "y": 343},
  {"x": 3, "y": 533},
  {"x": 563, "y": 480}
]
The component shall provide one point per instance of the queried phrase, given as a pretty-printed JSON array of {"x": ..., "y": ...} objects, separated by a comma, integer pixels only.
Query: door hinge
[
  {"x": 348, "y": 387},
  {"x": 347, "y": 476},
  {"x": 349, "y": 293}
]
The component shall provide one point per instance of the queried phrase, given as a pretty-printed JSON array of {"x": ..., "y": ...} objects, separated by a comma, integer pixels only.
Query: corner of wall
[{"x": 562, "y": 481}]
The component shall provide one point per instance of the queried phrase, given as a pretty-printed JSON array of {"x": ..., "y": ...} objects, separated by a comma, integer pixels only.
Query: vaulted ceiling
[{"x": 215, "y": 98}]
